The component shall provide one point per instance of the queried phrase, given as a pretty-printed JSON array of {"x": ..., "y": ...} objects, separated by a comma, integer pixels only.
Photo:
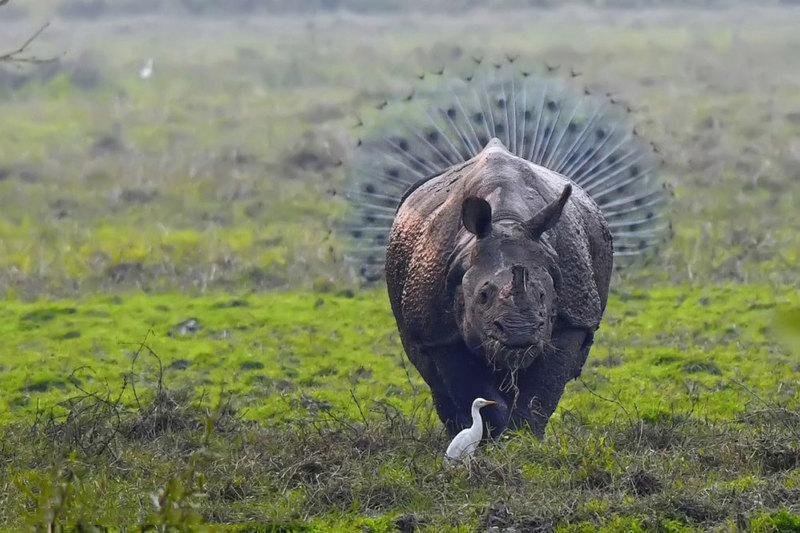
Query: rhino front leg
[
  {"x": 425, "y": 365},
  {"x": 542, "y": 384},
  {"x": 465, "y": 378}
]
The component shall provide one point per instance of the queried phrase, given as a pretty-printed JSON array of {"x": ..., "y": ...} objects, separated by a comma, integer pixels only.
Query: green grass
[
  {"x": 209, "y": 192},
  {"x": 659, "y": 351},
  {"x": 213, "y": 187},
  {"x": 687, "y": 398}
]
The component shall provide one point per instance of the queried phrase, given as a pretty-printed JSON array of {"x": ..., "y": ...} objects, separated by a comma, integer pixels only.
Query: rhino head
[{"x": 507, "y": 302}]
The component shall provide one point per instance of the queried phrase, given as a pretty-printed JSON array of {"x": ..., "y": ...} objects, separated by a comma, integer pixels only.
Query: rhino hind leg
[
  {"x": 542, "y": 384},
  {"x": 461, "y": 379}
]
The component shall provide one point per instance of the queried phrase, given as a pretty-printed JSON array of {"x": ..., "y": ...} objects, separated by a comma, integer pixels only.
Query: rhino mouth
[
  {"x": 513, "y": 356},
  {"x": 519, "y": 345}
]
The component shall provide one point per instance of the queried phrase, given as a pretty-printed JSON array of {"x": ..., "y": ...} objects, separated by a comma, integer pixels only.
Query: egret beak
[{"x": 491, "y": 402}]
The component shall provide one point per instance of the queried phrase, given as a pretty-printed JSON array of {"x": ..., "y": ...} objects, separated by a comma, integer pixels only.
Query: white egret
[
  {"x": 147, "y": 69},
  {"x": 466, "y": 442}
]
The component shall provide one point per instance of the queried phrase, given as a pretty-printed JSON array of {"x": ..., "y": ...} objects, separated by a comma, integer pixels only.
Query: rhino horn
[
  {"x": 476, "y": 215},
  {"x": 519, "y": 283},
  {"x": 548, "y": 216}
]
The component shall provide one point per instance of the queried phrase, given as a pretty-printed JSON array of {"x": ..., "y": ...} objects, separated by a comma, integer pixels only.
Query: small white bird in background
[
  {"x": 147, "y": 69},
  {"x": 466, "y": 442}
]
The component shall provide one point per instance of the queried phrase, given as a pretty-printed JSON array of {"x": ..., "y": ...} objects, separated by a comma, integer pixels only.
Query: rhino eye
[{"x": 484, "y": 294}]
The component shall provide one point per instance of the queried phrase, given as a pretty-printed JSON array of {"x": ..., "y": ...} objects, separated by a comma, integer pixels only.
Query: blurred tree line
[{"x": 100, "y": 8}]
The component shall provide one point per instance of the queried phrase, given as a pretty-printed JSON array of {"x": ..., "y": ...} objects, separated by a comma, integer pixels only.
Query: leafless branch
[{"x": 16, "y": 56}]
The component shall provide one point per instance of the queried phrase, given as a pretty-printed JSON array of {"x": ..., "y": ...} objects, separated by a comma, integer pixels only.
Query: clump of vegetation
[{"x": 168, "y": 460}]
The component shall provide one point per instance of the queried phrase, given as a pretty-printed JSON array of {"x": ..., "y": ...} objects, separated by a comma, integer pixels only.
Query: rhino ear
[
  {"x": 476, "y": 215},
  {"x": 548, "y": 216}
]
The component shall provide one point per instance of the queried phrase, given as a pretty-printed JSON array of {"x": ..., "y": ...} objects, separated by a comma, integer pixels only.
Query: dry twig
[{"x": 15, "y": 56}]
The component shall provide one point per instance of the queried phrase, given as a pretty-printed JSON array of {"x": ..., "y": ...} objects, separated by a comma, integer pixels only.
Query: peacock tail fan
[{"x": 539, "y": 115}]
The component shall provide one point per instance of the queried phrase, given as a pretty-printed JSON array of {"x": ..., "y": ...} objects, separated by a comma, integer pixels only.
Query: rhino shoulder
[{"x": 424, "y": 236}]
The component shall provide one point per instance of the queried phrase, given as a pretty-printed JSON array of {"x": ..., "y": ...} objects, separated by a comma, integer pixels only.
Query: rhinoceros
[{"x": 495, "y": 218}]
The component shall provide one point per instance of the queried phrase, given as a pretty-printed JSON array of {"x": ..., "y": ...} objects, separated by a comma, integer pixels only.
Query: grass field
[{"x": 183, "y": 344}]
